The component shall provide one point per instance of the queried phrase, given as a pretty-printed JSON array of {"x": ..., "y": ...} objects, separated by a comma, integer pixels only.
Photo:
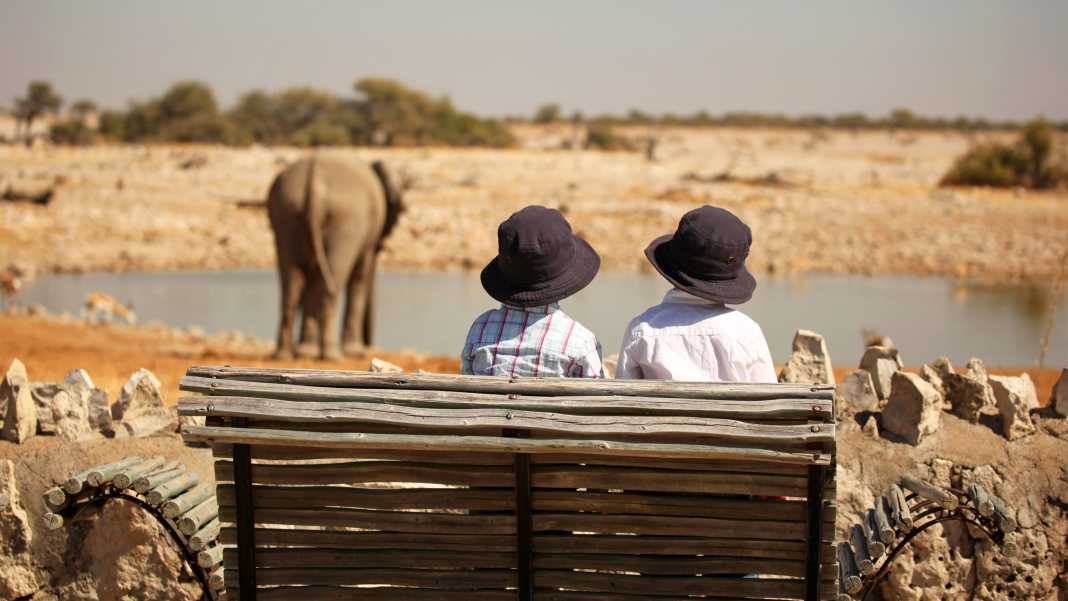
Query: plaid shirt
[{"x": 532, "y": 342}]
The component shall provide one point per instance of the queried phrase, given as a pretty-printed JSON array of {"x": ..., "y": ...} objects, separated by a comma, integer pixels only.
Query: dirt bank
[
  {"x": 50, "y": 347},
  {"x": 842, "y": 202}
]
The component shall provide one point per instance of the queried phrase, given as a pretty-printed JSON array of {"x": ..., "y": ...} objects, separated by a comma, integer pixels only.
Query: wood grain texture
[
  {"x": 725, "y": 430},
  {"x": 501, "y": 385},
  {"x": 494, "y": 445},
  {"x": 460, "y": 543},
  {"x": 370, "y": 471},
  {"x": 342, "y": 593},
  {"x": 650, "y": 480},
  {"x": 381, "y": 558},
  {"x": 281, "y": 497},
  {"x": 771, "y": 409},
  {"x": 387, "y": 521},
  {"x": 462, "y": 580}
]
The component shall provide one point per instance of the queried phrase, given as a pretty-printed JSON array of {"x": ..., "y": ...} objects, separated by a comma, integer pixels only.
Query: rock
[
  {"x": 18, "y": 577},
  {"x": 122, "y": 553},
  {"x": 384, "y": 367},
  {"x": 20, "y": 412},
  {"x": 61, "y": 413},
  {"x": 139, "y": 410},
  {"x": 969, "y": 396},
  {"x": 932, "y": 377},
  {"x": 1015, "y": 397},
  {"x": 871, "y": 427},
  {"x": 913, "y": 411},
  {"x": 809, "y": 363},
  {"x": 856, "y": 392},
  {"x": 79, "y": 385},
  {"x": 1059, "y": 397},
  {"x": 881, "y": 362}
]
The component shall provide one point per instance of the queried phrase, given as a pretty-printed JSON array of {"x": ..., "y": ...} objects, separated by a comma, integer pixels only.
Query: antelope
[{"x": 101, "y": 307}]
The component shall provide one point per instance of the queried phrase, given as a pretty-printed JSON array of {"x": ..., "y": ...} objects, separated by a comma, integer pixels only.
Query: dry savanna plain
[{"x": 817, "y": 201}]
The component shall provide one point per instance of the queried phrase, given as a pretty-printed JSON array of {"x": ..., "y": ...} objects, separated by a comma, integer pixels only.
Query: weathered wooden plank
[
  {"x": 931, "y": 492},
  {"x": 370, "y": 471},
  {"x": 187, "y": 500},
  {"x": 693, "y": 505},
  {"x": 639, "y": 479},
  {"x": 672, "y": 566},
  {"x": 380, "y": 558},
  {"x": 211, "y": 556},
  {"x": 668, "y": 545},
  {"x": 125, "y": 478},
  {"x": 744, "y": 467},
  {"x": 557, "y": 595},
  {"x": 776, "y": 588},
  {"x": 501, "y": 385},
  {"x": 196, "y": 518},
  {"x": 861, "y": 554},
  {"x": 269, "y": 453},
  {"x": 172, "y": 488},
  {"x": 726, "y": 430},
  {"x": 459, "y": 543},
  {"x": 886, "y": 532},
  {"x": 264, "y": 496},
  {"x": 492, "y": 444},
  {"x": 901, "y": 506},
  {"x": 771, "y": 409},
  {"x": 849, "y": 572},
  {"x": 345, "y": 593},
  {"x": 149, "y": 481},
  {"x": 203, "y": 537},
  {"x": 669, "y": 526},
  {"x": 450, "y": 579},
  {"x": 389, "y": 521},
  {"x": 77, "y": 482}
]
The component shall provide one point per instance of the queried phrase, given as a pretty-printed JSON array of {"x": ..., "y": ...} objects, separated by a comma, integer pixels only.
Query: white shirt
[{"x": 690, "y": 338}]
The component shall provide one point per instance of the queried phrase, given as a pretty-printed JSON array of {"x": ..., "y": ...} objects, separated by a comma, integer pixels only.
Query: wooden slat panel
[
  {"x": 391, "y": 521},
  {"x": 453, "y": 580},
  {"x": 554, "y": 595},
  {"x": 667, "y": 545},
  {"x": 348, "y": 558},
  {"x": 270, "y": 537},
  {"x": 492, "y": 444},
  {"x": 745, "y": 467},
  {"x": 268, "y": 453},
  {"x": 500, "y": 385},
  {"x": 671, "y": 585},
  {"x": 339, "y": 412},
  {"x": 771, "y": 409},
  {"x": 692, "y": 505},
  {"x": 371, "y": 471},
  {"x": 341, "y": 593},
  {"x": 264, "y": 496},
  {"x": 668, "y": 481},
  {"x": 675, "y": 565},
  {"x": 670, "y": 526}
]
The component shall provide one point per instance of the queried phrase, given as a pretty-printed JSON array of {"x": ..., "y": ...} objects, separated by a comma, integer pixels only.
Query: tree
[
  {"x": 40, "y": 99},
  {"x": 394, "y": 114},
  {"x": 187, "y": 99},
  {"x": 547, "y": 113},
  {"x": 83, "y": 108},
  {"x": 256, "y": 113}
]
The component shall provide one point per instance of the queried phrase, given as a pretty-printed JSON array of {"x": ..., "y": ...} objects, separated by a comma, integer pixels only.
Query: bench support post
[
  {"x": 524, "y": 524},
  {"x": 815, "y": 532},
  {"x": 246, "y": 522}
]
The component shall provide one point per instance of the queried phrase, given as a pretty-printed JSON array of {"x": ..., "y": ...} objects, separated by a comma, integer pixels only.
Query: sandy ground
[
  {"x": 831, "y": 201},
  {"x": 50, "y": 347}
]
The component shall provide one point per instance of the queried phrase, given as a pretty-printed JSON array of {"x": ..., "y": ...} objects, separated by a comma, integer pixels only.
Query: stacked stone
[{"x": 75, "y": 409}]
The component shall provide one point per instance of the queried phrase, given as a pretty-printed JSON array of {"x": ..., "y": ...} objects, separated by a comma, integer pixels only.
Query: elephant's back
[{"x": 336, "y": 177}]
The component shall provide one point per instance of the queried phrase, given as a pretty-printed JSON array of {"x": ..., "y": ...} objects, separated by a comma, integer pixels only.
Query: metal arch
[
  {"x": 102, "y": 496},
  {"x": 955, "y": 515}
]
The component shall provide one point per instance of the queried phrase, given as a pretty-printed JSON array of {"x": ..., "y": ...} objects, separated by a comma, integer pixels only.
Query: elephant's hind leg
[
  {"x": 292, "y": 280},
  {"x": 359, "y": 310}
]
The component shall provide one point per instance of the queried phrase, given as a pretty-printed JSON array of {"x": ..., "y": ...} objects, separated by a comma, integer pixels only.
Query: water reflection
[{"x": 430, "y": 312}]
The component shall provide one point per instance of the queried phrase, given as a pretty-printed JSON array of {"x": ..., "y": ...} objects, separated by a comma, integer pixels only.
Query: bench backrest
[{"x": 421, "y": 486}]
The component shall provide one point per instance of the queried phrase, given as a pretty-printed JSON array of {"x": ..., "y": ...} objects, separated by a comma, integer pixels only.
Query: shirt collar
[
  {"x": 681, "y": 296},
  {"x": 549, "y": 308}
]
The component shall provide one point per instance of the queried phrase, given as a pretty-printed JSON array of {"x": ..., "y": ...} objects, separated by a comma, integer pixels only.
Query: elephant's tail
[{"x": 313, "y": 208}]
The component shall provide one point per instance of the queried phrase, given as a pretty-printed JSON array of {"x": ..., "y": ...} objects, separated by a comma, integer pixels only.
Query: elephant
[{"x": 330, "y": 218}]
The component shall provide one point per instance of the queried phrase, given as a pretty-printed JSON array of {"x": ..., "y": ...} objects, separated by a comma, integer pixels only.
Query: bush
[
  {"x": 1028, "y": 163},
  {"x": 204, "y": 129},
  {"x": 321, "y": 133},
  {"x": 547, "y": 113},
  {"x": 601, "y": 136},
  {"x": 73, "y": 132}
]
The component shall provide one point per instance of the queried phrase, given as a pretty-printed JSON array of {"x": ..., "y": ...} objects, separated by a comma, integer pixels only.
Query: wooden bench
[{"x": 353, "y": 485}]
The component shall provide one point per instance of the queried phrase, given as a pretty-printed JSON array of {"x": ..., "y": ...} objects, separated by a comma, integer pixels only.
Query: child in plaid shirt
[{"x": 539, "y": 263}]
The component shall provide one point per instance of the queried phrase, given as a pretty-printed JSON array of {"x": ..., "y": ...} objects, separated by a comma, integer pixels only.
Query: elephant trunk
[{"x": 313, "y": 212}]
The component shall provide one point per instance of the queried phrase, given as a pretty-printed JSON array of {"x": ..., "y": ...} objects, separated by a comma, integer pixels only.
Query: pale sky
[{"x": 937, "y": 57}]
